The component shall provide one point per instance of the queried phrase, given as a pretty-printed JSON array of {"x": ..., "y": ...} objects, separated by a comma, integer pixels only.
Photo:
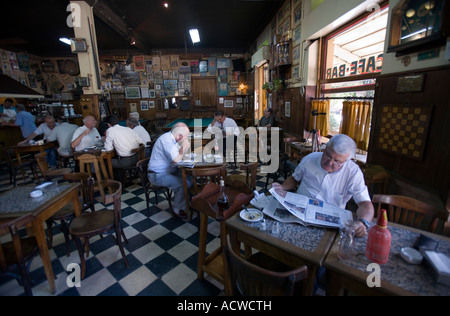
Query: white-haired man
[
  {"x": 168, "y": 150},
  {"x": 87, "y": 135},
  {"x": 332, "y": 177}
]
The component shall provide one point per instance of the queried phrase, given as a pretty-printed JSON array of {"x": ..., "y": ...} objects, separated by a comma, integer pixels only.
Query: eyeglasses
[{"x": 333, "y": 161}]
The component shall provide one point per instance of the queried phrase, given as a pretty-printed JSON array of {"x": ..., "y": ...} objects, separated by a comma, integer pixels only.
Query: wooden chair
[
  {"x": 140, "y": 152},
  {"x": 48, "y": 175},
  {"x": 251, "y": 170},
  {"x": 99, "y": 222},
  {"x": 250, "y": 279},
  {"x": 200, "y": 178},
  {"x": 409, "y": 211},
  {"x": 93, "y": 158},
  {"x": 142, "y": 169},
  {"x": 65, "y": 215},
  {"x": 14, "y": 166},
  {"x": 17, "y": 254}
]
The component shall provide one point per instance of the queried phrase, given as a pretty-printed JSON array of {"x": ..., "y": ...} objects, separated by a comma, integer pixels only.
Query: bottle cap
[{"x": 382, "y": 220}]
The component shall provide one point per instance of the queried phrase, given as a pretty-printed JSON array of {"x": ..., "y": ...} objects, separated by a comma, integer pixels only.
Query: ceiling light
[
  {"x": 166, "y": 4},
  {"x": 65, "y": 40},
  {"x": 195, "y": 36}
]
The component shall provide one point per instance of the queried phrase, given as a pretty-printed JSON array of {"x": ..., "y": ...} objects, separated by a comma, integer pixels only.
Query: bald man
[{"x": 168, "y": 150}]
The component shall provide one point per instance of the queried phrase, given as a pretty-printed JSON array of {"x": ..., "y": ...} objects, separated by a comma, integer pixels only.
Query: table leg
[{"x": 38, "y": 227}]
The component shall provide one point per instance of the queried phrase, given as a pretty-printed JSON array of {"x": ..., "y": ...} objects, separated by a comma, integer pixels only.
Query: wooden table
[
  {"x": 397, "y": 276},
  {"x": 17, "y": 202},
  {"x": 25, "y": 148},
  {"x": 294, "y": 244}
]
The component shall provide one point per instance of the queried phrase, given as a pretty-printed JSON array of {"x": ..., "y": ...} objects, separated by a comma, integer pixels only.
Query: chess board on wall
[{"x": 404, "y": 129}]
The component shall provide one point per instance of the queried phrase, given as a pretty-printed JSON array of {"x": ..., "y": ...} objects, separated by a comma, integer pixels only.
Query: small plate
[
  {"x": 411, "y": 255},
  {"x": 252, "y": 211}
]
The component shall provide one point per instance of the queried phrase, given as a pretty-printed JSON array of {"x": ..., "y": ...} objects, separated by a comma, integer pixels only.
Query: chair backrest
[
  {"x": 114, "y": 197},
  {"x": 409, "y": 211},
  {"x": 251, "y": 170},
  {"x": 41, "y": 160},
  {"x": 140, "y": 151},
  {"x": 142, "y": 167},
  {"x": 14, "y": 252},
  {"x": 249, "y": 279},
  {"x": 87, "y": 188},
  {"x": 203, "y": 176}
]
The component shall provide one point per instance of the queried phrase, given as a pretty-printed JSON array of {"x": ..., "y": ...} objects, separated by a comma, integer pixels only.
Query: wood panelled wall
[
  {"x": 432, "y": 172},
  {"x": 300, "y": 109}
]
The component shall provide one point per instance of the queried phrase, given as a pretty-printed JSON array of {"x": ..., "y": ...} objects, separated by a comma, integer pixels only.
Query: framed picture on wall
[
  {"x": 132, "y": 92},
  {"x": 151, "y": 104},
  {"x": 287, "y": 109},
  {"x": 144, "y": 105},
  {"x": 228, "y": 103}
]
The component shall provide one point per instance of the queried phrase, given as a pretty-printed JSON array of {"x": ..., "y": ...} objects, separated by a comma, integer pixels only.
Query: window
[{"x": 351, "y": 61}]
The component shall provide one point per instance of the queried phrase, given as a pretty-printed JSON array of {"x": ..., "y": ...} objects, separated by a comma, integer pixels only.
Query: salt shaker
[{"x": 346, "y": 246}]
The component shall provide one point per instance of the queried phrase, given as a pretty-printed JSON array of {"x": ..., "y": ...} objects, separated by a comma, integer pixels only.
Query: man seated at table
[
  {"x": 87, "y": 135},
  {"x": 267, "y": 120},
  {"x": 142, "y": 133},
  {"x": 7, "y": 111},
  {"x": 168, "y": 150},
  {"x": 63, "y": 133},
  {"x": 229, "y": 129},
  {"x": 123, "y": 140},
  {"x": 45, "y": 129},
  {"x": 332, "y": 177}
]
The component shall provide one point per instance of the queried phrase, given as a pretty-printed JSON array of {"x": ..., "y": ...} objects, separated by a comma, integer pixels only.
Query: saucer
[{"x": 36, "y": 194}]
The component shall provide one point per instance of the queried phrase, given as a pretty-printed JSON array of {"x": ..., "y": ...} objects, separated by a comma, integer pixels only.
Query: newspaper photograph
[{"x": 309, "y": 211}]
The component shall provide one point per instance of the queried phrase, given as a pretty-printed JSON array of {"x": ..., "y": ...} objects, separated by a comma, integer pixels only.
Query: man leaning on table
[
  {"x": 168, "y": 150},
  {"x": 332, "y": 177}
]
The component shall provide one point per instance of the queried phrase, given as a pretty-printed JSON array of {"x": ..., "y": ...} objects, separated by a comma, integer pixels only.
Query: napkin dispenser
[{"x": 439, "y": 265}]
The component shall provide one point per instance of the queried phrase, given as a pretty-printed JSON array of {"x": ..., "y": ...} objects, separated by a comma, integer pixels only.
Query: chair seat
[
  {"x": 29, "y": 249},
  {"x": 92, "y": 223}
]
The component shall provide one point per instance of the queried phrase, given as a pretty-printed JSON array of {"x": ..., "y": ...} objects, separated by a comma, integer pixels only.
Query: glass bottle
[
  {"x": 346, "y": 245},
  {"x": 379, "y": 240},
  {"x": 222, "y": 200}
]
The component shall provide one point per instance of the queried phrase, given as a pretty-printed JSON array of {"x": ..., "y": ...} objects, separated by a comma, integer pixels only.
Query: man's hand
[
  {"x": 279, "y": 189},
  {"x": 360, "y": 230}
]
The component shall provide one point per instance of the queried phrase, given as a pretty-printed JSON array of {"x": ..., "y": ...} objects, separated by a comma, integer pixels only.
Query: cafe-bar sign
[{"x": 372, "y": 64}]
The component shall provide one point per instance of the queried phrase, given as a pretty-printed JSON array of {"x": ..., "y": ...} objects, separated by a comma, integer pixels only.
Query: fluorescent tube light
[
  {"x": 195, "y": 36},
  {"x": 65, "y": 40}
]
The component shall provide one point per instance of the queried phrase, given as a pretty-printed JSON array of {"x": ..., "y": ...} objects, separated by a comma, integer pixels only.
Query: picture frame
[
  {"x": 228, "y": 104},
  {"x": 144, "y": 105},
  {"x": 408, "y": 84},
  {"x": 151, "y": 104},
  {"x": 287, "y": 109},
  {"x": 132, "y": 93}
]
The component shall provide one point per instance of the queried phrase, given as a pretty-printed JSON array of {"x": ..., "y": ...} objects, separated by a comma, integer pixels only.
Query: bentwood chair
[
  {"x": 201, "y": 177},
  {"x": 409, "y": 211},
  {"x": 251, "y": 170},
  {"x": 16, "y": 256},
  {"x": 142, "y": 169},
  {"x": 271, "y": 279},
  {"x": 99, "y": 222},
  {"x": 14, "y": 166},
  {"x": 66, "y": 214},
  {"x": 48, "y": 175},
  {"x": 122, "y": 172}
]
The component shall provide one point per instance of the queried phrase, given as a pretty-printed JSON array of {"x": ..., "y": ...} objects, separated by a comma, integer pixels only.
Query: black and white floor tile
[{"x": 161, "y": 251}]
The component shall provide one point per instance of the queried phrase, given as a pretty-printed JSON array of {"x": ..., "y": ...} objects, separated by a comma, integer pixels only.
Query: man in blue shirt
[
  {"x": 7, "y": 111},
  {"x": 24, "y": 120}
]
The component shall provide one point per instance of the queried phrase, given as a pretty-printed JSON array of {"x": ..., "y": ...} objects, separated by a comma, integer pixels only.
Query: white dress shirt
[
  {"x": 164, "y": 152},
  {"x": 229, "y": 126},
  {"x": 89, "y": 140},
  {"x": 335, "y": 188},
  {"x": 44, "y": 129},
  {"x": 122, "y": 139},
  {"x": 143, "y": 134}
]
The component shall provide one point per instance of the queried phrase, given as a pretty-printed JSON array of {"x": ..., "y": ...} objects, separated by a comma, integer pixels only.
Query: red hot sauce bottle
[{"x": 379, "y": 240}]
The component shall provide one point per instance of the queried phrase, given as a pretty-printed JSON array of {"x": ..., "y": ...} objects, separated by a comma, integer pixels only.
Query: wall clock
[{"x": 417, "y": 25}]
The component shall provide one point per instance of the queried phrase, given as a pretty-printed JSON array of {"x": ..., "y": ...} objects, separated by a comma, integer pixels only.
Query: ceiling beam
[{"x": 104, "y": 12}]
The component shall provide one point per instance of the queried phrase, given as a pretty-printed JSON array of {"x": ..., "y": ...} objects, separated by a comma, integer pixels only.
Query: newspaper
[{"x": 306, "y": 211}]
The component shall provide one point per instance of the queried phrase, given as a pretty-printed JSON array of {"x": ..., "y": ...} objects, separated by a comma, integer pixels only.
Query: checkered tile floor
[{"x": 161, "y": 251}]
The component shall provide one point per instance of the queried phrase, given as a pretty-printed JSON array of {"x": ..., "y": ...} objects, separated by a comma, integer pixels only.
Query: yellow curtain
[
  {"x": 323, "y": 121},
  {"x": 356, "y": 122}
]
